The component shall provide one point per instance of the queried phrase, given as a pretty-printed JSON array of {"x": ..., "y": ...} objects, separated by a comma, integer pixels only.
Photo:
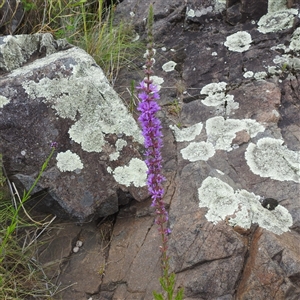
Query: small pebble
[
  {"x": 79, "y": 244},
  {"x": 75, "y": 249}
]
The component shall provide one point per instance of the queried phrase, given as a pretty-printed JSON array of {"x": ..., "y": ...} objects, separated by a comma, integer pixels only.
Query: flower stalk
[{"x": 152, "y": 132}]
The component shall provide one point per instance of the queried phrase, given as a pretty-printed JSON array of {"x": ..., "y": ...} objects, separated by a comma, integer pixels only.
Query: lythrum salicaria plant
[{"x": 152, "y": 132}]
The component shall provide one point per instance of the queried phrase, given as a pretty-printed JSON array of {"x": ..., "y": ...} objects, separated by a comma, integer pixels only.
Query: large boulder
[
  {"x": 53, "y": 92},
  {"x": 231, "y": 98}
]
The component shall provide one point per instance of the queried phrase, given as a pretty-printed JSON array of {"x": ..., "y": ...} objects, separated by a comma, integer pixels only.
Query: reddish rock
[
  {"x": 272, "y": 269},
  {"x": 133, "y": 265},
  {"x": 260, "y": 100},
  {"x": 241, "y": 137},
  {"x": 207, "y": 258}
]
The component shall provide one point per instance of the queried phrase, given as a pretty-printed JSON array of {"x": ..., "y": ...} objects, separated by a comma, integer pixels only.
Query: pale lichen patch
[
  {"x": 276, "y": 5},
  {"x": 287, "y": 60},
  {"x": 277, "y": 21},
  {"x": 3, "y": 101},
  {"x": 260, "y": 75},
  {"x": 88, "y": 133},
  {"x": 203, "y": 11},
  {"x": 120, "y": 144},
  {"x": 169, "y": 66},
  {"x": 187, "y": 134},
  {"x": 11, "y": 52},
  {"x": 158, "y": 81},
  {"x": 270, "y": 158},
  {"x": 220, "y": 5},
  {"x": 135, "y": 173},
  {"x": 272, "y": 70},
  {"x": 216, "y": 97},
  {"x": 17, "y": 49},
  {"x": 221, "y": 132},
  {"x": 213, "y": 88},
  {"x": 198, "y": 151},
  {"x": 248, "y": 74},
  {"x": 68, "y": 161},
  {"x": 295, "y": 40},
  {"x": 114, "y": 156},
  {"x": 240, "y": 207},
  {"x": 190, "y": 13},
  {"x": 239, "y": 41},
  {"x": 97, "y": 107}
]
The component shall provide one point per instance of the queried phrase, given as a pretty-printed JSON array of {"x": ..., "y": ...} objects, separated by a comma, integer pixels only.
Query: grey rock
[
  {"x": 233, "y": 14},
  {"x": 20, "y": 49},
  {"x": 219, "y": 260},
  {"x": 65, "y": 97}
]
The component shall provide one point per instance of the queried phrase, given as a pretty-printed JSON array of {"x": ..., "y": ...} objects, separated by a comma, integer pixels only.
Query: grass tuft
[
  {"x": 21, "y": 276},
  {"x": 88, "y": 24}
]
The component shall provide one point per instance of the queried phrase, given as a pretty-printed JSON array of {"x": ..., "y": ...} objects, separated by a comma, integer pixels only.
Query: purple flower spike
[
  {"x": 54, "y": 145},
  {"x": 151, "y": 130}
]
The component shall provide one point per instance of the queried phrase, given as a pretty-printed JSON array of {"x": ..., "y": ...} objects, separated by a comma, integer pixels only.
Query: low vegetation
[
  {"x": 21, "y": 276},
  {"x": 88, "y": 24}
]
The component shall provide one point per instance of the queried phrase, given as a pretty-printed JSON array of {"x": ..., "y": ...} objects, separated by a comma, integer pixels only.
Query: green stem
[{"x": 14, "y": 220}]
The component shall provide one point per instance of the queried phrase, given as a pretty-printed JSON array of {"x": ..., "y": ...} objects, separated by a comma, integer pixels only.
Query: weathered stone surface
[
  {"x": 254, "y": 10},
  {"x": 132, "y": 269},
  {"x": 18, "y": 50},
  {"x": 57, "y": 247},
  {"x": 258, "y": 103},
  {"x": 237, "y": 144},
  {"x": 80, "y": 269},
  {"x": 197, "y": 265},
  {"x": 272, "y": 270},
  {"x": 165, "y": 11},
  {"x": 65, "y": 97}
]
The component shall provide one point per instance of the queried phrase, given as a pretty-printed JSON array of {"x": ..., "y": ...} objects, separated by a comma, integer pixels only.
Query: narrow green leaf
[
  {"x": 179, "y": 295},
  {"x": 77, "y": 3},
  {"x": 158, "y": 296}
]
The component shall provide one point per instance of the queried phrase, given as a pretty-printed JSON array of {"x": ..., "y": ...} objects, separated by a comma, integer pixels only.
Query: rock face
[
  {"x": 237, "y": 143},
  {"x": 51, "y": 91},
  {"x": 231, "y": 153}
]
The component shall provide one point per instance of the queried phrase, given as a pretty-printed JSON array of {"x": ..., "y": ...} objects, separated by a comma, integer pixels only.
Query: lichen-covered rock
[
  {"x": 65, "y": 97},
  {"x": 237, "y": 143},
  {"x": 18, "y": 50}
]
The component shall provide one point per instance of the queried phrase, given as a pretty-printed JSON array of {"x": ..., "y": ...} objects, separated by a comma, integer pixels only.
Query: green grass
[
  {"x": 88, "y": 24},
  {"x": 21, "y": 276}
]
